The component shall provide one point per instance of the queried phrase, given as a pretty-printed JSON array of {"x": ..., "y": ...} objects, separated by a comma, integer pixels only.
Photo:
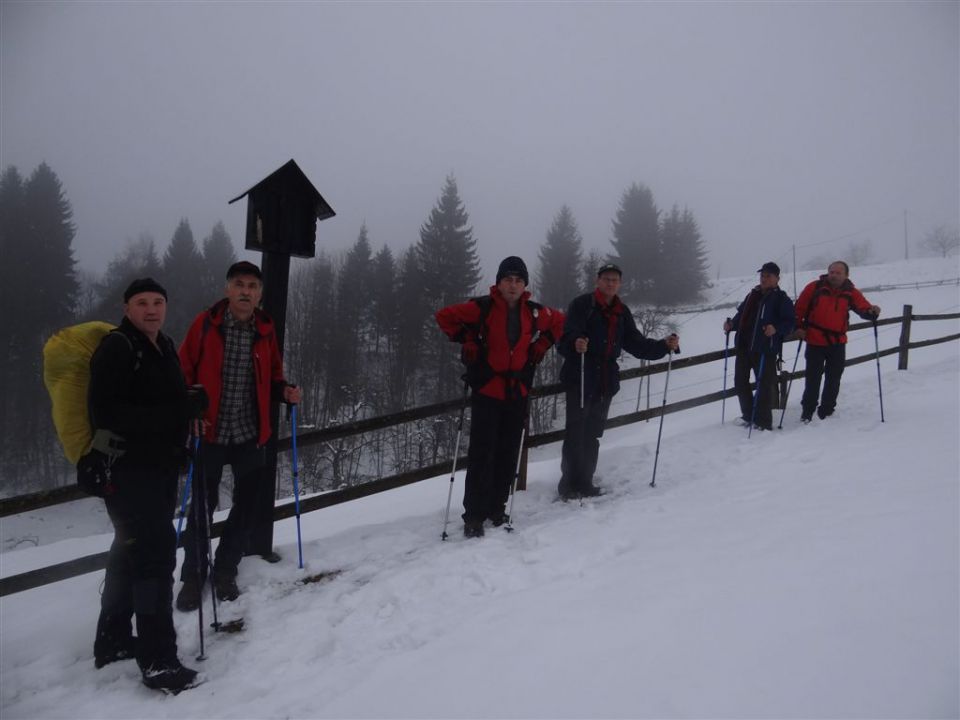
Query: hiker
[
  {"x": 763, "y": 320},
  {"x": 231, "y": 349},
  {"x": 140, "y": 411},
  {"x": 504, "y": 335},
  {"x": 598, "y": 328},
  {"x": 822, "y": 316}
]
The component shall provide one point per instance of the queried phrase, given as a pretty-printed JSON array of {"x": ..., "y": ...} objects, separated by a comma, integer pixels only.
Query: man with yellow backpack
[{"x": 139, "y": 413}]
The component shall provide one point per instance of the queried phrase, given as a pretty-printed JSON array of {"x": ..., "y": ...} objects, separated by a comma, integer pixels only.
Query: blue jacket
[
  {"x": 758, "y": 310},
  {"x": 609, "y": 329}
]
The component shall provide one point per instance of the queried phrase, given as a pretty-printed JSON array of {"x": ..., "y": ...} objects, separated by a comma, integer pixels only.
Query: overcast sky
[{"x": 775, "y": 123}]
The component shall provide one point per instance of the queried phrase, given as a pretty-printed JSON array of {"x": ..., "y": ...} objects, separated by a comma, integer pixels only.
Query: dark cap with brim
[
  {"x": 244, "y": 267},
  {"x": 609, "y": 267},
  {"x": 770, "y": 267}
]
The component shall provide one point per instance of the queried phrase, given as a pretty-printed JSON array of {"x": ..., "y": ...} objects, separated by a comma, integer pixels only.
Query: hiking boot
[
  {"x": 591, "y": 491},
  {"x": 226, "y": 588},
  {"x": 806, "y": 418},
  {"x": 188, "y": 599},
  {"x": 169, "y": 676},
  {"x": 125, "y": 651},
  {"x": 499, "y": 519},
  {"x": 473, "y": 528},
  {"x": 823, "y": 414}
]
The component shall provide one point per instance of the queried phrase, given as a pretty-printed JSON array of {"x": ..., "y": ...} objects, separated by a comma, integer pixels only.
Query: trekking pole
[
  {"x": 296, "y": 484},
  {"x": 663, "y": 407},
  {"x": 202, "y": 563},
  {"x": 789, "y": 385},
  {"x": 583, "y": 360},
  {"x": 456, "y": 454},
  {"x": 186, "y": 489},
  {"x": 726, "y": 354},
  {"x": 202, "y": 493},
  {"x": 756, "y": 395},
  {"x": 876, "y": 344},
  {"x": 516, "y": 478}
]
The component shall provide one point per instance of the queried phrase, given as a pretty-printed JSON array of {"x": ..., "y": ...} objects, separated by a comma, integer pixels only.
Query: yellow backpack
[{"x": 66, "y": 373}]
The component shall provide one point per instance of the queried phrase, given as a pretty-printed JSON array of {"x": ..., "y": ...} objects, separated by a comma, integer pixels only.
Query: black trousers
[
  {"x": 581, "y": 441},
  {"x": 750, "y": 361},
  {"x": 246, "y": 461},
  {"x": 828, "y": 361},
  {"x": 495, "y": 427},
  {"x": 140, "y": 564}
]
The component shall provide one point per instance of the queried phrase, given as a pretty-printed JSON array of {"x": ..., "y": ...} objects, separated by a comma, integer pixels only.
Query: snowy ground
[{"x": 809, "y": 572}]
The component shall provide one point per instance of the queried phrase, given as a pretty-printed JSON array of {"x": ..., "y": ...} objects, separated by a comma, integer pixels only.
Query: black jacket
[
  {"x": 609, "y": 330},
  {"x": 757, "y": 310},
  {"x": 138, "y": 392}
]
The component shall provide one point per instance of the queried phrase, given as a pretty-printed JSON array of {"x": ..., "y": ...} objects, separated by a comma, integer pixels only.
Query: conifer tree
[
  {"x": 558, "y": 279},
  {"x": 182, "y": 277},
  {"x": 593, "y": 262},
  {"x": 683, "y": 265},
  {"x": 348, "y": 330},
  {"x": 450, "y": 271},
  {"x": 636, "y": 243},
  {"x": 52, "y": 274},
  {"x": 383, "y": 300},
  {"x": 408, "y": 331},
  {"x": 218, "y": 256},
  {"x": 137, "y": 259}
]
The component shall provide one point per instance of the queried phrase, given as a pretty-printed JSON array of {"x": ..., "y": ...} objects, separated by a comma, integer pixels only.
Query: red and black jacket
[
  {"x": 501, "y": 371},
  {"x": 201, "y": 356},
  {"x": 824, "y": 311}
]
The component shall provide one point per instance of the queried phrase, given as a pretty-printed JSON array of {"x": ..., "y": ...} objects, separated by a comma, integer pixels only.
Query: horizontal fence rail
[{"x": 91, "y": 563}]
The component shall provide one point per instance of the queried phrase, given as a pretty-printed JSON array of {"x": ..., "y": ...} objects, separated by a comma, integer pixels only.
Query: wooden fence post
[{"x": 905, "y": 336}]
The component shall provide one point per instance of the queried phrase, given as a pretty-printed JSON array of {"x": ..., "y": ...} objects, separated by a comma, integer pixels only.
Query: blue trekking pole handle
[
  {"x": 296, "y": 484},
  {"x": 186, "y": 488}
]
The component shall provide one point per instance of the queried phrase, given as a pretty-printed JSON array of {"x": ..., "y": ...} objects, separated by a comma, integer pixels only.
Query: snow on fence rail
[{"x": 91, "y": 563}]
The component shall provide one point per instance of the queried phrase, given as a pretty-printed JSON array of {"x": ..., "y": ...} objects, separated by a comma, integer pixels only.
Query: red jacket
[
  {"x": 201, "y": 356},
  {"x": 823, "y": 311},
  {"x": 508, "y": 373}
]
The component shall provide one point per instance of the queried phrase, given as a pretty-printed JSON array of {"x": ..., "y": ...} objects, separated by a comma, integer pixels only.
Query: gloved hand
[
  {"x": 537, "y": 351},
  {"x": 197, "y": 401},
  {"x": 469, "y": 353}
]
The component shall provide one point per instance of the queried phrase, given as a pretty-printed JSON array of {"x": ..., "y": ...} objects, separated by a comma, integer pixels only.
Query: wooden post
[
  {"x": 905, "y": 336},
  {"x": 276, "y": 273}
]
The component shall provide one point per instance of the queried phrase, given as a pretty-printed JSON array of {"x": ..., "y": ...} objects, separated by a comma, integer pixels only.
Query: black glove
[
  {"x": 197, "y": 401},
  {"x": 469, "y": 352},
  {"x": 93, "y": 474}
]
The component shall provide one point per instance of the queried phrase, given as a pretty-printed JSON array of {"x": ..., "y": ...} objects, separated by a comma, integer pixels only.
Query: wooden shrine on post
[{"x": 282, "y": 214}]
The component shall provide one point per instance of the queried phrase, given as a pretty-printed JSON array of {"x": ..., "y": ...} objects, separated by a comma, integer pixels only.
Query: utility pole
[
  {"x": 906, "y": 245},
  {"x": 794, "y": 271}
]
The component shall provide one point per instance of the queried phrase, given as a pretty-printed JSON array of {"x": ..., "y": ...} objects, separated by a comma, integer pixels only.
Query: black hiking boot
[
  {"x": 188, "y": 599},
  {"x": 473, "y": 528},
  {"x": 499, "y": 519},
  {"x": 125, "y": 651},
  {"x": 226, "y": 588},
  {"x": 823, "y": 414},
  {"x": 171, "y": 677},
  {"x": 591, "y": 491}
]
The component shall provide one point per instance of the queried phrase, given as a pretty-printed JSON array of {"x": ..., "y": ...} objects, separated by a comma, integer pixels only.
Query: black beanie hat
[
  {"x": 513, "y": 266},
  {"x": 141, "y": 285}
]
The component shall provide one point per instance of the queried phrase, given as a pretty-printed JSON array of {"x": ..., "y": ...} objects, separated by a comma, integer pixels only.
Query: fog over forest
[{"x": 775, "y": 123}]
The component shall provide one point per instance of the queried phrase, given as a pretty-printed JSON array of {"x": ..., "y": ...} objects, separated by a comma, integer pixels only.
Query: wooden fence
[{"x": 91, "y": 563}]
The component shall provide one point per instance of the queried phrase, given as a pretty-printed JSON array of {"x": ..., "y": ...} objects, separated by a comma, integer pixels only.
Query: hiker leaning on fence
[
  {"x": 823, "y": 313},
  {"x": 504, "y": 336},
  {"x": 231, "y": 349},
  {"x": 140, "y": 410},
  {"x": 763, "y": 320},
  {"x": 597, "y": 328}
]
